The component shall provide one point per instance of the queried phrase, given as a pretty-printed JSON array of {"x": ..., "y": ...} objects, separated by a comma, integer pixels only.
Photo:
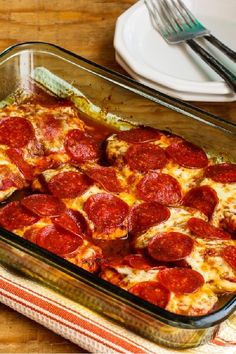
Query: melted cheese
[
  {"x": 87, "y": 256},
  {"x": 187, "y": 177},
  {"x": 68, "y": 119},
  {"x": 8, "y": 170},
  {"x": 49, "y": 174},
  {"x": 133, "y": 276},
  {"x": 193, "y": 304},
  {"x": 226, "y": 206},
  {"x": 78, "y": 203},
  {"x": 38, "y": 225},
  {"x": 67, "y": 116},
  {"x": 205, "y": 258},
  {"x": 177, "y": 222},
  {"x": 116, "y": 149},
  {"x": 219, "y": 276}
]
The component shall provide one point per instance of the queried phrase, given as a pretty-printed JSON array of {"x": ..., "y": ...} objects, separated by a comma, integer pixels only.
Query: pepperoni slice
[
  {"x": 187, "y": 154},
  {"x": 152, "y": 291},
  {"x": 205, "y": 230},
  {"x": 139, "y": 135},
  {"x": 138, "y": 261},
  {"x": 223, "y": 173},
  {"x": 229, "y": 255},
  {"x": 106, "y": 177},
  {"x": 57, "y": 240},
  {"x": 146, "y": 215},
  {"x": 180, "y": 280},
  {"x": 203, "y": 198},
  {"x": 43, "y": 205},
  {"x": 15, "y": 132},
  {"x": 159, "y": 187},
  {"x": 69, "y": 184},
  {"x": 80, "y": 146},
  {"x": 73, "y": 221},
  {"x": 145, "y": 157},
  {"x": 13, "y": 216},
  {"x": 106, "y": 211},
  {"x": 16, "y": 156},
  {"x": 170, "y": 246}
]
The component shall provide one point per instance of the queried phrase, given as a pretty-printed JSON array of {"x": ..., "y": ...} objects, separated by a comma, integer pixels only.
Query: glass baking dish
[{"x": 116, "y": 96}]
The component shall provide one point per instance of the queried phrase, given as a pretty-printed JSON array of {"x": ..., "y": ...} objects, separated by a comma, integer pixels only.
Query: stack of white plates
[{"x": 175, "y": 69}]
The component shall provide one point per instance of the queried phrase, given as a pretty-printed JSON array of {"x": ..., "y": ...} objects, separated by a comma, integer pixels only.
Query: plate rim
[
  {"x": 177, "y": 84},
  {"x": 174, "y": 93}
]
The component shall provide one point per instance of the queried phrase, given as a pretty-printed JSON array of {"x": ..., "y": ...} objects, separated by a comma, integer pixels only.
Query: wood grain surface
[{"x": 85, "y": 27}]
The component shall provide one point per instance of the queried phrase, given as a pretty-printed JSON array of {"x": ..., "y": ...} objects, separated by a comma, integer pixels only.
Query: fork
[{"x": 177, "y": 24}]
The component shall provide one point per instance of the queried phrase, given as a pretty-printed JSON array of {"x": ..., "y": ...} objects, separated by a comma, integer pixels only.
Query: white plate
[
  {"x": 186, "y": 96},
  {"x": 176, "y": 66}
]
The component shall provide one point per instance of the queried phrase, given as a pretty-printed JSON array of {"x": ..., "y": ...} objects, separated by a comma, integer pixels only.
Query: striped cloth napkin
[{"x": 88, "y": 329}]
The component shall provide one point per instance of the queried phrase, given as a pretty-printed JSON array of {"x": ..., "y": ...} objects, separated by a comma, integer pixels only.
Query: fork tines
[{"x": 181, "y": 25}]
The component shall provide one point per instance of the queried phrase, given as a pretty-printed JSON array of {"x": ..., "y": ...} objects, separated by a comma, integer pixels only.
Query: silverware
[{"x": 176, "y": 24}]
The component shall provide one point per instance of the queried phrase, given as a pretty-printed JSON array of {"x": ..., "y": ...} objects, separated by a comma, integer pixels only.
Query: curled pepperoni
[
  {"x": 222, "y": 173},
  {"x": 159, "y": 187},
  {"x": 229, "y": 255},
  {"x": 205, "y": 230},
  {"x": 170, "y": 246},
  {"x": 139, "y": 135},
  {"x": 57, "y": 240},
  {"x": 145, "y": 157},
  {"x": 180, "y": 280},
  {"x": 13, "y": 216},
  {"x": 73, "y": 221},
  {"x": 138, "y": 261},
  {"x": 43, "y": 205},
  {"x": 15, "y": 132},
  {"x": 16, "y": 156},
  {"x": 203, "y": 198},
  {"x": 106, "y": 177},
  {"x": 106, "y": 211},
  {"x": 187, "y": 154},
  {"x": 146, "y": 215},
  {"x": 6, "y": 183},
  {"x": 69, "y": 184},
  {"x": 152, "y": 291},
  {"x": 80, "y": 146},
  {"x": 9, "y": 179}
]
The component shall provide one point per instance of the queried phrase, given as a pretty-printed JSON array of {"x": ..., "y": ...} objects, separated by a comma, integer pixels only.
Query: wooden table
[{"x": 85, "y": 27}]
